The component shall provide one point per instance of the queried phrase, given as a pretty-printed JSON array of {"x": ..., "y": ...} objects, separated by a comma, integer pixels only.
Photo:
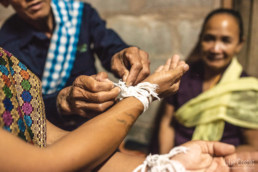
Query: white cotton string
[
  {"x": 143, "y": 92},
  {"x": 162, "y": 163}
]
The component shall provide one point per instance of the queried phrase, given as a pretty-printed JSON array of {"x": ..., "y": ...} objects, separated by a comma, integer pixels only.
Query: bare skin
[{"x": 166, "y": 132}]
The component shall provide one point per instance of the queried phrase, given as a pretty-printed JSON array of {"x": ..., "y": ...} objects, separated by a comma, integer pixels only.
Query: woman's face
[
  {"x": 220, "y": 41},
  {"x": 31, "y": 10}
]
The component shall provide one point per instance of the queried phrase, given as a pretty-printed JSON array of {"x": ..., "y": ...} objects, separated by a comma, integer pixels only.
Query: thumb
[
  {"x": 119, "y": 68},
  {"x": 102, "y": 77},
  {"x": 178, "y": 72}
]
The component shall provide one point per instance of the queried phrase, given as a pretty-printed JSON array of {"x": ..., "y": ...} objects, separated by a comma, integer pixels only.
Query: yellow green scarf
[{"x": 233, "y": 99}]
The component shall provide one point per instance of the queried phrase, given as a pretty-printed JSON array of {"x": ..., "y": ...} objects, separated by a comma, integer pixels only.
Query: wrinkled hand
[
  {"x": 205, "y": 156},
  {"x": 5, "y": 2},
  {"x": 168, "y": 76},
  {"x": 131, "y": 64},
  {"x": 243, "y": 162},
  {"x": 88, "y": 96}
]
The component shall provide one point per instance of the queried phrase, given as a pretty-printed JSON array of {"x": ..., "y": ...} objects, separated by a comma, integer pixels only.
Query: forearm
[
  {"x": 86, "y": 147},
  {"x": 166, "y": 132},
  {"x": 96, "y": 140},
  {"x": 14, "y": 150}
]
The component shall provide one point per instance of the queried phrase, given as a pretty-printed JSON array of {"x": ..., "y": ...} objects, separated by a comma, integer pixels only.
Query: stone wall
[{"x": 4, "y": 13}]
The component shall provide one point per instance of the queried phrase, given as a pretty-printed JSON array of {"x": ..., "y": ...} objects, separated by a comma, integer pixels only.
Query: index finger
[
  {"x": 174, "y": 62},
  {"x": 177, "y": 73},
  {"x": 145, "y": 72},
  {"x": 80, "y": 94},
  {"x": 133, "y": 58}
]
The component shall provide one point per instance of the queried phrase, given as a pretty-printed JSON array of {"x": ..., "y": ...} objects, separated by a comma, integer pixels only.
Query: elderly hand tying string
[
  {"x": 166, "y": 77},
  {"x": 143, "y": 92}
]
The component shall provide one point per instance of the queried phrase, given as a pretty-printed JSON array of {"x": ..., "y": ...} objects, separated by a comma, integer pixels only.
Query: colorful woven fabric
[{"x": 21, "y": 105}]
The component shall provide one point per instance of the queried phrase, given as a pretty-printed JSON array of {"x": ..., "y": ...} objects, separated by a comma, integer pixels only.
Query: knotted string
[
  {"x": 143, "y": 91},
  {"x": 162, "y": 163}
]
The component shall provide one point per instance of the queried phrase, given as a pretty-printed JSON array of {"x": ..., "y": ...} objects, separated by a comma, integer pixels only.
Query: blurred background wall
[{"x": 165, "y": 27}]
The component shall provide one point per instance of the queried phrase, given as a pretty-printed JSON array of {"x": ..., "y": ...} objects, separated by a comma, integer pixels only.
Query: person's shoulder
[
  {"x": 9, "y": 29},
  {"x": 87, "y": 6},
  {"x": 10, "y": 23}
]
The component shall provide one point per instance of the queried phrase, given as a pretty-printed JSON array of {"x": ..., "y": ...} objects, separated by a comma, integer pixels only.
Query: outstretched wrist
[{"x": 144, "y": 92}]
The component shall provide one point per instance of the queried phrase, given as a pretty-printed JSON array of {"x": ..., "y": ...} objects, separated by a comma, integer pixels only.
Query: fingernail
[
  {"x": 186, "y": 67},
  {"x": 108, "y": 80},
  {"x": 118, "y": 89},
  {"x": 129, "y": 83},
  {"x": 125, "y": 76}
]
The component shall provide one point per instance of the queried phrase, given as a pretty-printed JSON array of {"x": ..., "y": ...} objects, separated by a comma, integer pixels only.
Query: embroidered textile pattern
[{"x": 22, "y": 110}]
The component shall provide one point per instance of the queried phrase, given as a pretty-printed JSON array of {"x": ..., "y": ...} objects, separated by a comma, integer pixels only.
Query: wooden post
[
  {"x": 245, "y": 9},
  {"x": 227, "y": 3},
  {"x": 253, "y": 49}
]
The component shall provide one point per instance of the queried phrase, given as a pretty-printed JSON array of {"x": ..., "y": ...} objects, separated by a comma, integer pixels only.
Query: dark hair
[
  {"x": 194, "y": 55},
  {"x": 231, "y": 12}
]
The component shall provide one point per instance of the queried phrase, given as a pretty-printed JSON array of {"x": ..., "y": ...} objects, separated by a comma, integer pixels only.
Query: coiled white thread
[
  {"x": 143, "y": 92},
  {"x": 162, "y": 163}
]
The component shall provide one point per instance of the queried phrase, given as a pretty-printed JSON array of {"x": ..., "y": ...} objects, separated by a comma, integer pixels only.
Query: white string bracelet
[
  {"x": 143, "y": 91},
  {"x": 162, "y": 163}
]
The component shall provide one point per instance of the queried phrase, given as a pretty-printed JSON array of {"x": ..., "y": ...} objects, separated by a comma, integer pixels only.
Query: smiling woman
[
  {"x": 216, "y": 99},
  {"x": 220, "y": 41}
]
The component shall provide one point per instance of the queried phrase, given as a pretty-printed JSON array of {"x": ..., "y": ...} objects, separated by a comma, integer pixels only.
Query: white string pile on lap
[
  {"x": 143, "y": 91},
  {"x": 162, "y": 163}
]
